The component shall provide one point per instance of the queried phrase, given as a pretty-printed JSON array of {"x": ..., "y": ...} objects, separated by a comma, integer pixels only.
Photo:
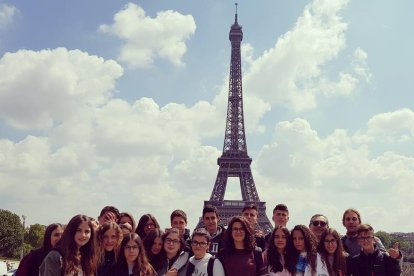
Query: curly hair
[
  {"x": 273, "y": 254},
  {"x": 142, "y": 267},
  {"x": 68, "y": 248},
  {"x": 310, "y": 242},
  {"x": 339, "y": 258},
  {"x": 143, "y": 222},
  {"x": 100, "y": 239},
  {"x": 249, "y": 240}
]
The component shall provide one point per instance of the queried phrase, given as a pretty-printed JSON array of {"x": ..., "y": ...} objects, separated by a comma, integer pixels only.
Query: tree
[
  {"x": 385, "y": 238},
  {"x": 34, "y": 235},
  {"x": 11, "y": 232}
]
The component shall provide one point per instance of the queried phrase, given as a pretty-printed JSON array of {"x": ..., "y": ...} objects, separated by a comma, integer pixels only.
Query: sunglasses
[{"x": 319, "y": 223}]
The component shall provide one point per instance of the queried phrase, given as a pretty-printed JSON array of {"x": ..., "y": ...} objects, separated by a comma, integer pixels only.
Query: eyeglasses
[
  {"x": 236, "y": 229},
  {"x": 319, "y": 223},
  {"x": 200, "y": 244},
  {"x": 132, "y": 248},
  {"x": 171, "y": 241},
  {"x": 329, "y": 241},
  {"x": 365, "y": 238},
  {"x": 353, "y": 219}
]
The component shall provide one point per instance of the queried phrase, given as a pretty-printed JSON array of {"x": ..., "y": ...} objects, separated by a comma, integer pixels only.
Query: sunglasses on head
[{"x": 319, "y": 223}]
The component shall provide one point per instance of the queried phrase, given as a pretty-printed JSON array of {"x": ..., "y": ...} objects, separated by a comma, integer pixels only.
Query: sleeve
[
  {"x": 181, "y": 261},
  {"x": 379, "y": 245},
  {"x": 218, "y": 269},
  {"x": 51, "y": 265},
  {"x": 392, "y": 266},
  {"x": 24, "y": 264}
]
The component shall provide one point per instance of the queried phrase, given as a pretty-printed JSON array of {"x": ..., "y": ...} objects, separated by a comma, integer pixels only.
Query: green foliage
[
  {"x": 11, "y": 232},
  {"x": 26, "y": 248},
  {"x": 385, "y": 238},
  {"x": 34, "y": 235}
]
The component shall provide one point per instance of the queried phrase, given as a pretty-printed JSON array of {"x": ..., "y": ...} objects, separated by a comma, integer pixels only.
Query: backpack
[{"x": 210, "y": 266}]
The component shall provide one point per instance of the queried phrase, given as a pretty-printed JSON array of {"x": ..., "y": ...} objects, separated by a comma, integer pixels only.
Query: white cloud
[
  {"x": 40, "y": 89},
  {"x": 147, "y": 39},
  {"x": 293, "y": 73},
  {"x": 331, "y": 174},
  {"x": 7, "y": 12}
]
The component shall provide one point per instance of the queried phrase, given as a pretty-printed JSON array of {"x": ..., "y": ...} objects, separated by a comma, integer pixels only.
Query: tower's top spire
[
  {"x": 236, "y": 33},
  {"x": 235, "y": 15}
]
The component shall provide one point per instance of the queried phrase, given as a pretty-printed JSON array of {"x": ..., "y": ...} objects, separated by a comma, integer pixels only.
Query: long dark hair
[
  {"x": 273, "y": 255},
  {"x": 339, "y": 259},
  {"x": 249, "y": 240},
  {"x": 142, "y": 267},
  {"x": 142, "y": 222},
  {"x": 310, "y": 247},
  {"x": 47, "y": 245},
  {"x": 68, "y": 248},
  {"x": 148, "y": 241}
]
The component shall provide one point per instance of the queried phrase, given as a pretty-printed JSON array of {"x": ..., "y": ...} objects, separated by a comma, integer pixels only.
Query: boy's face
[
  {"x": 366, "y": 241},
  {"x": 280, "y": 217},
  {"x": 199, "y": 245},
  {"x": 179, "y": 223},
  {"x": 211, "y": 222},
  {"x": 251, "y": 216}
]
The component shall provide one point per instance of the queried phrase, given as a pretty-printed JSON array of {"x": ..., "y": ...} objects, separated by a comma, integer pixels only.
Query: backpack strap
[
  {"x": 258, "y": 259},
  {"x": 210, "y": 266},
  {"x": 190, "y": 269}
]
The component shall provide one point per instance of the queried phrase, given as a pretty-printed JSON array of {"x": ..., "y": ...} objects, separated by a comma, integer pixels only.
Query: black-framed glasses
[
  {"x": 200, "y": 244},
  {"x": 171, "y": 241},
  {"x": 330, "y": 241},
  {"x": 319, "y": 223}
]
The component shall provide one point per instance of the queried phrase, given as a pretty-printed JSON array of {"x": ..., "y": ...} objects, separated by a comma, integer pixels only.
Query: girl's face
[
  {"x": 83, "y": 234},
  {"x": 125, "y": 219},
  {"x": 150, "y": 225},
  {"x": 110, "y": 240},
  {"x": 237, "y": 232},
  {"x": 56, "y": 235},
  {"x": 330, "y": 243},
  {"x": 131, "y": 252},
  {"x": 280, "y": 240},
  {"x": 156, "y": 246},
  {"x": 172, "y": 244},
  {"x": 298, "y": 240}
]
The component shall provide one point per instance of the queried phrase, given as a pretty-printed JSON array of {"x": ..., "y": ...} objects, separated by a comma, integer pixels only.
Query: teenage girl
[
  {"x": 331, "y": 257},
  {"x": 109, "y": 237},
  {"x": 276, "y": 255},
  {"x": 75, "y": 252},
  {"x": 132, "y": 258},
  {"x": 30, "y": 263},
  {"x": 153, "y": 246},
  {"x": 146, "y": 223},
  {"x": 174, "y": 259}
]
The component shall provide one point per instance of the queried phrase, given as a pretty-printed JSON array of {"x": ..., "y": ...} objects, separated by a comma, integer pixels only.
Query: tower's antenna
[{"x": 236, "y": 12}]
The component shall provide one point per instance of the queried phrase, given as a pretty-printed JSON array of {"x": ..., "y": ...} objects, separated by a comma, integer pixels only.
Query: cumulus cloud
[
  {"x": 147, "y": 39},
  {"x": 7, "y": 13},
  {"x": 334, "y": 172},
  {"x": 40, "y": 89},
  {"x": 293, "y": 73}
]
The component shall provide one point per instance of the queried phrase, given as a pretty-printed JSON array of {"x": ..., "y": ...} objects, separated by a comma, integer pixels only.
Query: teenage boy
[
  {"x": 108, "y": 213},
  {"x": 203, "y": 263},
  {"x": 178, "y": 220},
  {"x": 280, "y": 217},
  {"x": 210, "y": 220},
  {"x": 250, "y": 213},
  {"x": 371, "y": 261}
]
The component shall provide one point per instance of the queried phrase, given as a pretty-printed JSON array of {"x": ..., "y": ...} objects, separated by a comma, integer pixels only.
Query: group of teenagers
[{"x": 114, "y": 245}]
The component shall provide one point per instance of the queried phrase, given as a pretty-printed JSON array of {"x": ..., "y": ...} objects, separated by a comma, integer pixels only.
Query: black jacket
[{"x": 377, "y": 264}]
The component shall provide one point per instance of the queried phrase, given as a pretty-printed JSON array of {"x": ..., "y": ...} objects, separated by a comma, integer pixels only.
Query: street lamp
[{"x": 24, "y": 220}]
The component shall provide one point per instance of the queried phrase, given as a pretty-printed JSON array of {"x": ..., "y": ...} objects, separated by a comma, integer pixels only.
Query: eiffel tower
[{"x": 235, "y": 162}]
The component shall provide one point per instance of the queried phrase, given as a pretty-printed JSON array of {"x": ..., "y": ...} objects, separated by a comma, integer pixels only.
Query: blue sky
[{"x": 124, "y": 104}]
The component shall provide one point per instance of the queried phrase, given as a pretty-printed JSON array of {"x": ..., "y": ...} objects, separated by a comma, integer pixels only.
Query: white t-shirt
[{"x": 200, "y": 266}]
